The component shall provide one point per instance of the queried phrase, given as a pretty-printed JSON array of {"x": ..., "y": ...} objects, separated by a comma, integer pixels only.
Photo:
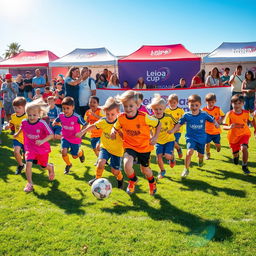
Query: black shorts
[{"x": 142, "y": 158}]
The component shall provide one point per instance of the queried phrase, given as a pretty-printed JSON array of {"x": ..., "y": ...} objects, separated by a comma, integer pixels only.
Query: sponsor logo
[
  {"x": 70, "y": 128},
  {"x": 162, "y": 74},
  {"x": 196, "y": 126},
  {"x": 160, "y": 52},
  {"x": 87, "y": 55},
  {"x": 244, "y": 50},
  {"x": 28, "y": 58}
]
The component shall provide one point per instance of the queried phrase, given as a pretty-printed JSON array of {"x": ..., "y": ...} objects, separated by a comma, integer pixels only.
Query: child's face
[
  {"x": 93, "y": 104},
  {"x": 68, "y": 110},
  {"x": 38, "y": 92},
  {"x": 19, "y": 110},
  {"x": 238, "y": 106},
  {"x": 158, "y": 110},
  {"x": 51, "y": 103},
  {"x": 194, "y": 106},
  {"x": 210, "y": 104},
  {"x": 111, "y": 115},
  {"x": 130, "y": 108},
  {"x": 125, "y": 84},
  {"x": 47, "y": 91},
  {"x": 33, "y": 115},
  {"x": 59, "y": 87},
  {"x": 173, "y": 104}
]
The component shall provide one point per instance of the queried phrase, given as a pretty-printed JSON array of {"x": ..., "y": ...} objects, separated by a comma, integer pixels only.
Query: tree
[{"x": 13, "y": 49}]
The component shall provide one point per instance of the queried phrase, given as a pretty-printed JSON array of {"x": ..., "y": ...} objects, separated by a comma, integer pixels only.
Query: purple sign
[
  {"x": 158, "y": 74},
  {"x": 16, "y": 71}
]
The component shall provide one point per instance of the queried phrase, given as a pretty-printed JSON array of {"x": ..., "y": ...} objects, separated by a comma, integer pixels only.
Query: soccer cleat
[
  {"x": 28, "y": 188},
  {"x": 152, "y": 188},
  {"x": 236, "y": 160},
  {"x": 200, "y": 163},
  {"x": 131, "y": 187},
  {"x": 179, "y": 150},
  {"x": 245, "y": 169},
  {"x": 67, "y": 169},
  {"x": 172, "y": 163},
  {"x": 185, "y": 173},
  {"x": 120, "y": 183},
  {"x": 19, "y": 169},
  {"x": 91, "y": 181},
  {"x": 161, "y": 174},
  {"x": 82, "y": 158}
]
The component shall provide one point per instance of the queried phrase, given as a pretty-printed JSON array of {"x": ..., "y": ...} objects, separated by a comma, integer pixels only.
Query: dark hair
[
  {"x": 239, "y": 66},
  {"x": 60, "y": 83},
  {"x": 47, "y": 87},
  {"x": 105, "y": 79},
  {"x": 138, "y": 82},
  {"x": 237, "y": 97},
  {"x": 95, "y": 98},
  {"x": 247, "y": 73},
  {"x": 194, "y": 98},
  {"x": 69, "y": 101},
  {"x": 69, "y": 74},
  {"x": 140, "y": 95},
  {"x": 227, "y": 69},
  {"x": 210, "y": 97},
  {"x": 19, "y": 101},
  {"x": 201, "y": 74},
  {"x": 218, "y": 72}
]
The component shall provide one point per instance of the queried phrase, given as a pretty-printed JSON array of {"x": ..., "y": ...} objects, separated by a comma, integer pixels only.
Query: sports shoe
[
  {"x": 236, "y": 160},
  {"x": 19, "y": 169},
  {"x": 179, "y": 150},
  {"x": 200, "y": 163},
  {"x": 185, "y": 173},
  {"x": 28, "y": 188},
  {"x": 207, "y": 156},
  {"x": 131, "y": 187},
  {"x": 67, "y": 169},
  {"x": 91, "y": 181},
  {"x": 161, "y": 174},
  {"x": 82, "y": 158},
  {"x": 120, "y": 183},
  {"x": 172, "y": 163},
  {"x": 245, "y": 169},
  {"x": 152, "y": 188}
]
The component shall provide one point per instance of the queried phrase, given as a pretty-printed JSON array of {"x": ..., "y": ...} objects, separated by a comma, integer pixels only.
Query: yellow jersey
[
  {"x": 91, "y": 119},
  {"x": 176, "y": 113},
  {"x": 16, "y": 122}
]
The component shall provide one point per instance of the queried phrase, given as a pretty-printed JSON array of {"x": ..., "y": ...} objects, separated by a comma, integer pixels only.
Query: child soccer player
[
  {"x": 213, "y": 133},
  {"x": 177, "y": 113},
  {"x": 236, "y": 122},
  {"x": 18, "y": 104},
  {"x": 165, "y": 141},
  {"x": 135, "y": 127},
  {"x": 52, "y": 114},
  {"x": 109, "y": 148},
  {"x": 140, "y": 100},
  {"x": 195, "y": 135},
  {"x": 36, "y": 136},
  {"x": 92, "y": 115},
  {"x": 71, "y": 125}
]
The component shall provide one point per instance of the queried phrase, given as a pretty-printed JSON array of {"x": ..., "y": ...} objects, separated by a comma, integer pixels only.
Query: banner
[{"x": 222, "y": 93}]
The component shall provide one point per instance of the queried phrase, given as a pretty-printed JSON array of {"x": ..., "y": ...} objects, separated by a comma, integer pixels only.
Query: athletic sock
[
  {"x": 66, "y": 159},
  {"x": 133, "y": 177},
  {"x": 80, "y": 153},
  {"x": 151, "y": 179},
  {"x": 244, "y": 164},
  {"x": 119, "y": 176},
  {"x": 99, "y": 173}
]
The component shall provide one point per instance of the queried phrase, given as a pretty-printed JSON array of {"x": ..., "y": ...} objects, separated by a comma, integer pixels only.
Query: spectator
[
  {"x": 29, "y": 96},
  {"x": 97, "y": 78},
  {"x": 105, "y": 73},
  {"x": 248, "y": 89},
  {"x": 87, "y": 88},
  {"x": 60, "y": 79},
  {"x": 140, "y": 84},
  {"x": 225, "y": 77},
  {"x": 38, "y": 94},
  {"x": 213, "y": 79},
  {"x": 27, "y": 85},
  {"x": 71, "y": 86},
  {"x": 126, "y": 85},
  {"x": 59, "y": 94},
  {"x": 47, "y": 93},
  {"x": 198, "y": 79},
  {"x": 182, "y": 83},
  {"x": 38, "y": 81},
  {"x": 236, "y": 81},
  {"x": 10, "y": 91},
  {"x": 102, "y": 82},
  {"x": 19, "y": 82},
  {"x": 114, "y": 82},
  {"x": 47, "y": 82}
]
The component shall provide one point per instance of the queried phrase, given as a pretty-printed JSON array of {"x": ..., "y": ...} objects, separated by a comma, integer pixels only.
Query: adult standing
[
  {"x": 225, "y": 77},
  {"x": 27, "y": 82},
  {"x": 236, "y": 81},
  {"x": 114, "y": 82},
  {"x": 87, "y": 88},
  {"x": 140, "y": 84},
  {"x": 38, "y": 81},
  {"x": 213, "y": 79},
  {"x": 19, "y": 82},
  {"x": 198, "y": 79},
  {"x": 10, "y": 91},
  {"x": 71, "y": 86}
]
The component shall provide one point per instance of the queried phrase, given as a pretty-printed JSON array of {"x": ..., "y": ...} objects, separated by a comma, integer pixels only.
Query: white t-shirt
[
  {"x": 85, "y": 91},
  {"x": 237, "y": 83},
  {"x": 212, "y": 81}
]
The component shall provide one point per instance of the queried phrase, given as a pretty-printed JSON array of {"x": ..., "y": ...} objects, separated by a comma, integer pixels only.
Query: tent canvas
[{"x": 160, "y": 66}]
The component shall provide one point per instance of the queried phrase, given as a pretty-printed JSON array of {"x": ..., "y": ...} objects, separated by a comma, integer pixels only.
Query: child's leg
[
  {"x": 201, "y": 157},
  {"x": 29, "y": 171},
  {"x": 50, "y": 168},
  {"x": 17, "y": 155},
  {"x": 207, "y": 148},
  {"x": 160, "y": 162},
  {"x": 100, "y": 168},
  {"x": 128, "y": 165},
  {"x": 151, "y": 180},
  {"x": 218, "y": 147},
  {"x": 188, "y": 158},
  {"x": 244, "y": 149},
  {"x": 64, "y": 152}
]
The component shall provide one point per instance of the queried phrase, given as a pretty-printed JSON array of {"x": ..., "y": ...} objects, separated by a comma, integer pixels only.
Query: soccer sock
[
  {"x": 119, "y": 176},
  {"x": 132, "y": 177},
  {"x": 151, "y": 179},
  {"x": 66, "y": 159},
  {"x": 244, "y": 164},
  {"x": 99, "y": 173},
  {"x": 80, "y": 153}
]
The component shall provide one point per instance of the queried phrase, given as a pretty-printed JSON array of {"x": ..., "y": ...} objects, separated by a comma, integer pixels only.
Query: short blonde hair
[
  {"x": 110, "y": 104},
  {"x": 173, "y": 97},
  {"x": 39, "y": 105},
  {"x": 157, "y": 100},
  {"x": 128, "y": 95}
]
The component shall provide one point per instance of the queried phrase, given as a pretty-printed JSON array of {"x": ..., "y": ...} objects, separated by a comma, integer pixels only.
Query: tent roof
[
  {"x": 173, "y": 52},
  {"x": 30, "y": 59},
  {"x": 86, "y": 57},
  {"x": 232, "y": 52}
]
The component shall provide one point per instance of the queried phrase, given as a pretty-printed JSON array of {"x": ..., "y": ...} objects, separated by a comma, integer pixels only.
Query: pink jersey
[
  {"x": 34, "y": 132},
  {"x": 144, "y": 109},
  {"x": 70, "y": 126}
]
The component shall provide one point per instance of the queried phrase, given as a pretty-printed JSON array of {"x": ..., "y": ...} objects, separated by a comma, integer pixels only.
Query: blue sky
[{"x": 123, "y": 26}]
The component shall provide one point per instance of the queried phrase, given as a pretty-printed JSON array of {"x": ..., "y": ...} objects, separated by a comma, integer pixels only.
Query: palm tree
[{"x": 13, "y": 49}]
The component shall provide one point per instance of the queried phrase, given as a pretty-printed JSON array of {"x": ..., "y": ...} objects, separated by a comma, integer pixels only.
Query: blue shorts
[
  {"x": 191, "y": 144},
  {"x": 177, "y": 136},
  {"x": 94, "y": 142},
  {"x": 115, "y": 161},
  {"x": 249, "y": 103},
  {"x": 17, "y": 143},
  {"x": 74, "y": 148},
  {"x": 56, "y": 129},
  {"x": 215, "y": 138},
  {"x": 166, "y": 148}
]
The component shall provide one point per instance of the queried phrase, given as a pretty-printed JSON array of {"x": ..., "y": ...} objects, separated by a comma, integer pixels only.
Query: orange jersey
[
  {"x": 91, "y": 119},
  {"x": 136, "y": 131},
  {"x": 235, "y": 134},
  {"x": 217, "y": 113}
]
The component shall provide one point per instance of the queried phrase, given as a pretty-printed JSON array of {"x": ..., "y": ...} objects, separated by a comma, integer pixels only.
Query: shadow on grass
[
  {"x": 63, "y": 200},
  {"x": 169, "y": 212},
  {"x": 199, "y": 185},
  {"x": 229, "y": 160}
]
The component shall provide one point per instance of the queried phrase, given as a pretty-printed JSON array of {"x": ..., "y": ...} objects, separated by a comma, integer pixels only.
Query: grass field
[{"x": 212, "y": 212}]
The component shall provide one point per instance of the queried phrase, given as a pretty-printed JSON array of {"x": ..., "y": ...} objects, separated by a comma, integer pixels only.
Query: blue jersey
[
  {"x": 195, "y": 125},
  {"x": 53, "y": 113}
]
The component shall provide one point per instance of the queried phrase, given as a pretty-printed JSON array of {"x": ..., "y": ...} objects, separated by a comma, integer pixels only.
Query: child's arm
[
  {"x": 229, "y": 127},
  {"x": 85, "y": 129},
  {"x": 17, "y": 133},
  {"x": 153, "y": 140},
  {"x": 174, "y": 129},
  {"x": 216, "y": 124},
  {"x": 47, "y": 138}
]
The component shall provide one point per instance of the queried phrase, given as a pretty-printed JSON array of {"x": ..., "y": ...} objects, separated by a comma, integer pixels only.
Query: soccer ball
[{"x": 101, "y": 188}]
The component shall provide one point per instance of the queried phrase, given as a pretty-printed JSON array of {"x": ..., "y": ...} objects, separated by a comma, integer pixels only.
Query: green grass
[{"x": 212, "y": 212}]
